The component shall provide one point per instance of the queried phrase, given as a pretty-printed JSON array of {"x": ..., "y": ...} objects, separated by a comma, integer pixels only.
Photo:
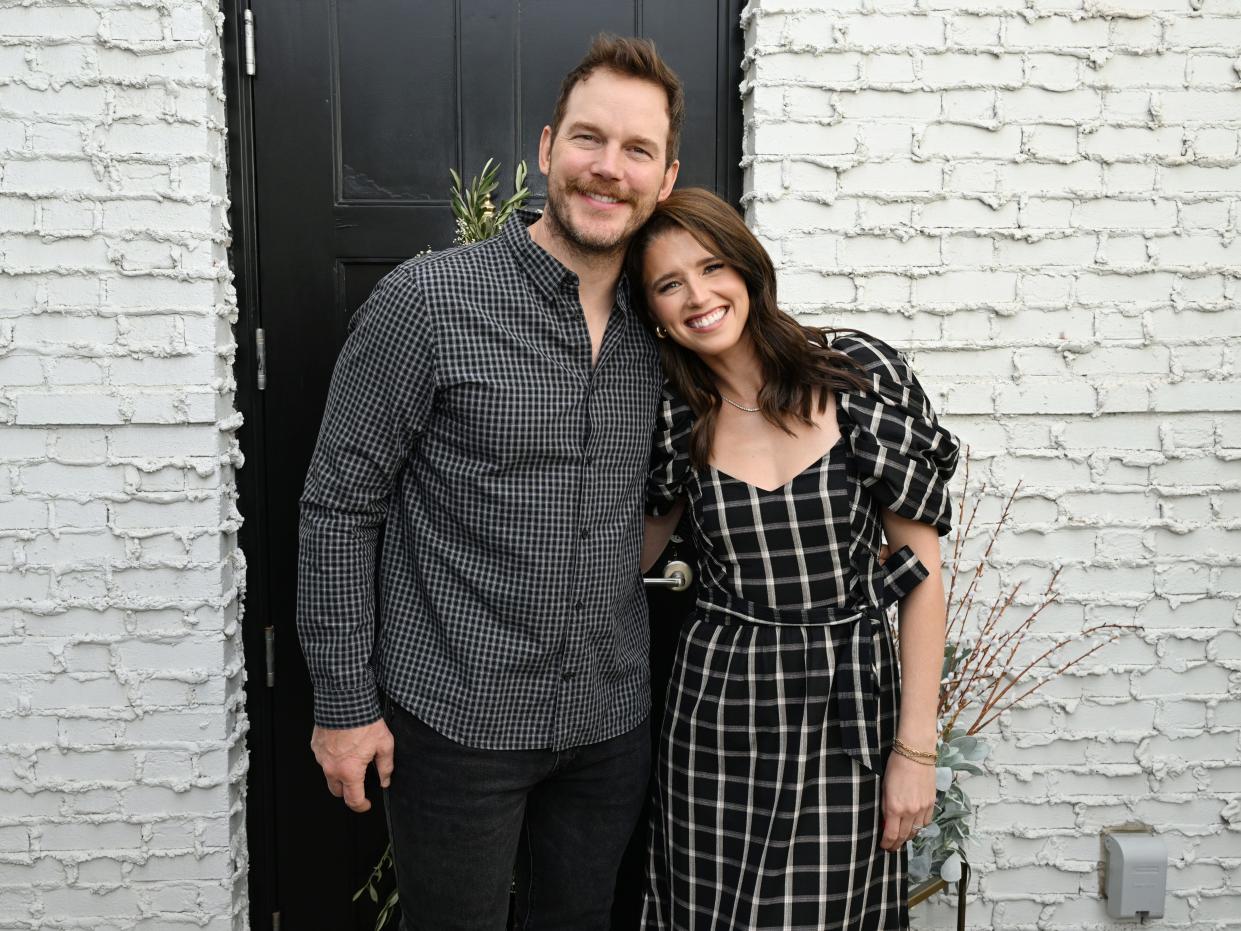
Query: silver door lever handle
[{"x": 677, "y": 577}]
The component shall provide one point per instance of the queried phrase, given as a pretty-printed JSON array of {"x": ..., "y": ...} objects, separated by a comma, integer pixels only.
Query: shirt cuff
[{"x": 353, "y": 708}]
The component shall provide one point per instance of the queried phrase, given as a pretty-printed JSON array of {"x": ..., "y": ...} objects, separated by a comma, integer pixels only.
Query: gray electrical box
[{"x": 1137, "y": 875}]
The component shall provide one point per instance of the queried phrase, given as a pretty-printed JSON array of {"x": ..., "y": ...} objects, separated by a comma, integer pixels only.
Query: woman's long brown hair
[{"x": 799, "y": 366}]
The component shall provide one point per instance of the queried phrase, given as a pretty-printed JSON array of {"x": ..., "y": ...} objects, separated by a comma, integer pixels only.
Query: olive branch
[{"x": 477, "y": 217}]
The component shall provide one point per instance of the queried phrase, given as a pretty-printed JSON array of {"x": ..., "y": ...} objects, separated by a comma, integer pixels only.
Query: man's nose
[{"x": 608, "y": 164}]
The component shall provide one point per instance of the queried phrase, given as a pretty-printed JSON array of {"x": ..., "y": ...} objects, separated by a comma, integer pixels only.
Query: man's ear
[
  {"x": 670, "y": 179},
  {"x": 545, "y": 150}
]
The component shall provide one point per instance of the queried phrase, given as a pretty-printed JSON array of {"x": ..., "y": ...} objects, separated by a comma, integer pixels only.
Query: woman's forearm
[
  {"x": 922, "y": 617},
  {"x": 922, "y": 655}
]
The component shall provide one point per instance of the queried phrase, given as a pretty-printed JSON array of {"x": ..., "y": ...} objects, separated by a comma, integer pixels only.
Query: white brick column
[
  {"x": 121, "y": 712},
  {"x": 1039, "y": 200}
]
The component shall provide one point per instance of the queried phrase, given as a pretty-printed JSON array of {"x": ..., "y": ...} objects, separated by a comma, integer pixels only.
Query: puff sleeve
[
  {"x": 670, "y": 464},
  {"x": 904, "y": 457}
]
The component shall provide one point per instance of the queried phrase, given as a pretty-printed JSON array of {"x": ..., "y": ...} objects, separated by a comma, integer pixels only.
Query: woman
[{"x": 788, "y": 783}]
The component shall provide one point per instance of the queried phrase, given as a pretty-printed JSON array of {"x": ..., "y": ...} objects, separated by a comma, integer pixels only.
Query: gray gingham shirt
[{"x": 467, "y": 426}]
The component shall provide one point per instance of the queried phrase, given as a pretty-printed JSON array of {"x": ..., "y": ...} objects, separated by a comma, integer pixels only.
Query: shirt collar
[{"x": 543, "y": 269}]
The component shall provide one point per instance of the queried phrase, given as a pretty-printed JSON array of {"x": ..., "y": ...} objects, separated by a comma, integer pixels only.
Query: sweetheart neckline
[{"x": 769, "y": 491}]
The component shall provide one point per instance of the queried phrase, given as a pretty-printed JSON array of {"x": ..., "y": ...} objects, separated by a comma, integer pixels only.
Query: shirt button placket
[{"x": 569, "y": 675}]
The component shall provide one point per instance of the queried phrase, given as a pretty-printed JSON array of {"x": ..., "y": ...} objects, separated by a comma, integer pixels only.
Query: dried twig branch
[
  {"x": 979, "y": 665},
  {"x": 981, "y": 721}
]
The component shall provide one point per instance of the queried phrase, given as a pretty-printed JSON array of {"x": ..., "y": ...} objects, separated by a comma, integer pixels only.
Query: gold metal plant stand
[{"x": 924, "y": 890}]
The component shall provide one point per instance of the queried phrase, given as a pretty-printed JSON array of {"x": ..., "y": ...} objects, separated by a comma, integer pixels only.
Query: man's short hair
[{"x": 632, "y": 57}]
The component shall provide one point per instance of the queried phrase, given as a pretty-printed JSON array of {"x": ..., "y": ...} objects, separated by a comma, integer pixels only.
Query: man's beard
[{"x": 597, "y": 245}]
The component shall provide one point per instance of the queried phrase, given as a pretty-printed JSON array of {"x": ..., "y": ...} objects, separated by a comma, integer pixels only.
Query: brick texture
[
  {"x": 122, "y": 722},
  {"x": 1039, "y": 201}
]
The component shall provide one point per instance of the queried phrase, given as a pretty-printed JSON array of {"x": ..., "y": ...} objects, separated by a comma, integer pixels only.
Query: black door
[{"x": 356, "y": 112}]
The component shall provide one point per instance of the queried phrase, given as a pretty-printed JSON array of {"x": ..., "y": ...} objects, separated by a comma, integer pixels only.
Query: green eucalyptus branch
[{"x": 372, "y": 886}]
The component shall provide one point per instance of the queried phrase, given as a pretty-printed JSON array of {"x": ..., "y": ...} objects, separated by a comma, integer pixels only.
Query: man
[{"x": 491, "y": 411}]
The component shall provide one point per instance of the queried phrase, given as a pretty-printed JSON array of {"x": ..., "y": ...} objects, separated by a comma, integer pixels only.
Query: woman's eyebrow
[{"x": 704, "y": 261}]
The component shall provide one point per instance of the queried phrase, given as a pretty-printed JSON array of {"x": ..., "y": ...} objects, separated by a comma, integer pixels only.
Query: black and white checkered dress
[{"x": 784, "y": 693}]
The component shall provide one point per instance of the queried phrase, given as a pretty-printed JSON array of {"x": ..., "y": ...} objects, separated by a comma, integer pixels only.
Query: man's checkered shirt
[{"x": 467, "y": 426}]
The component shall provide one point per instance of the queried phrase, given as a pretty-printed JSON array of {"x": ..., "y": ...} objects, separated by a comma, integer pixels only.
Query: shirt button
[
  {"x": 568, "y": 676},
  {"x": 585, "y": 533},
  {"x": 588, "y": 460},
  {"x": 579, "y": 605}
]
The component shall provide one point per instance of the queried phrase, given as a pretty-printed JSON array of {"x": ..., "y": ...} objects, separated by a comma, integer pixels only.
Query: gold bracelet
[
  {"x": 900, "y": 750},
  {"x": 912, "y": 753}
]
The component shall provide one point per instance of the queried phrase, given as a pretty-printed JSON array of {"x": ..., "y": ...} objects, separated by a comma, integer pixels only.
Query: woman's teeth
[{"x": 706, "y": 320}]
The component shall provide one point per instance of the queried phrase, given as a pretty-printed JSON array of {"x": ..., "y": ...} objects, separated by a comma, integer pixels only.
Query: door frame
[{"x": 244, "y": 261}]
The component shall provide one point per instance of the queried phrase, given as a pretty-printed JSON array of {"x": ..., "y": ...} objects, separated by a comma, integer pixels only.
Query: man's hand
[{"x": 344, "y": 754}]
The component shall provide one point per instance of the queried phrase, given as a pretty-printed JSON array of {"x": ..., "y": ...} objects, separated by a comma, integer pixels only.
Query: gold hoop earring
[{"x": 661, "y": 332}]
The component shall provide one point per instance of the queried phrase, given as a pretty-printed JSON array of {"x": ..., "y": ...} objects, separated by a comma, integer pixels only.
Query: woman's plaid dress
[{"x": 784, "y": 693}]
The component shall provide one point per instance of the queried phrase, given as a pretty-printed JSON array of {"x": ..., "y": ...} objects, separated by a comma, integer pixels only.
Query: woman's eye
[
  {"x": 714, "y": 267},
  {"x": 665, "y": 287}
]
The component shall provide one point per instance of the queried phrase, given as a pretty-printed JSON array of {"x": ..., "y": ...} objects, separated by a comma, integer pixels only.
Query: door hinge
[
  {"x": 269, "y": 642},
  {"x": 248, "y": 20},
  {"x": 260, "y": 353}
]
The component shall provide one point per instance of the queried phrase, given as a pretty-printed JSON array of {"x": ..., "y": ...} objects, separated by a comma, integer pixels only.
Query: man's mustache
[{"x": 598, "y": 192}]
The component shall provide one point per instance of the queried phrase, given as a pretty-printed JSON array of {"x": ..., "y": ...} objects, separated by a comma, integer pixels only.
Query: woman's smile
[{"x": 708, "y": 320}]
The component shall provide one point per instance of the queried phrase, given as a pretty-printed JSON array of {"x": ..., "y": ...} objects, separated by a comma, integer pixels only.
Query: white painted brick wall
[
  {"x": 121, "y": 716},
  {"x": 1039, "y": 200}
]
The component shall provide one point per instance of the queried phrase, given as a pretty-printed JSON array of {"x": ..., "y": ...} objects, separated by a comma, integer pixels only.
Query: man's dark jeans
[{"x": 461, "y": 819}]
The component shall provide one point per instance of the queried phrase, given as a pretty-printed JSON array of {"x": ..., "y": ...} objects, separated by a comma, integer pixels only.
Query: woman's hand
[
  {"x": 908, "y": 800},
  {"x": 656, "y": 533}
]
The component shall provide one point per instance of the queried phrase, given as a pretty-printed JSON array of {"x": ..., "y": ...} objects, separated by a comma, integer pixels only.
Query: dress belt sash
[{"x": 855, "y": 681}]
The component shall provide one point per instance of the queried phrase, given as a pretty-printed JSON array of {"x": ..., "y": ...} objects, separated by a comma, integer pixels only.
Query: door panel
[
  {"x": 360, "y": 107},
  {"x": 395, "y": 136}
]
